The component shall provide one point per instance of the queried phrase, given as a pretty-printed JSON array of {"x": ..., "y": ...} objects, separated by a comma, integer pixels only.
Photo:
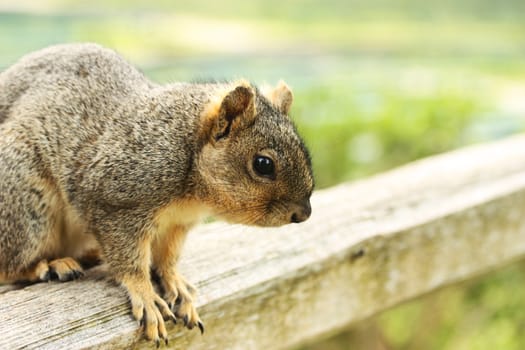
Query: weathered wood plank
[{"x": 369, "y": 245}]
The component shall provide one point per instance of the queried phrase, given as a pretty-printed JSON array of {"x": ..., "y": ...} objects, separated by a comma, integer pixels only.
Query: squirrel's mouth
[
  {"x": 268, "y": 214},
  {"x": 279, "y": 213}
]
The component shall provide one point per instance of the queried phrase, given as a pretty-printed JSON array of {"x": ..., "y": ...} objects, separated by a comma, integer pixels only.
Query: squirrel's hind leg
[
  {"x": 31, "y": 220},
  {"x": 65, "y": 268}
]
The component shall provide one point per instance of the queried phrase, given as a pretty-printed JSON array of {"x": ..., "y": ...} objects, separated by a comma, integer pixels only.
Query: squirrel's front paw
[
  {"x": 180, "y": 294},
  {"x": 149, "y": 309}
]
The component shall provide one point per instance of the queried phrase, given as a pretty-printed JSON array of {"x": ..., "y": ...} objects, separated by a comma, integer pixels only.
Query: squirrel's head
[{"x": 254, "y": 166}]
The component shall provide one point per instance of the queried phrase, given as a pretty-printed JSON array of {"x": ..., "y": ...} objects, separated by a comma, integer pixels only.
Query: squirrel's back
[
  {"x": 88, "y": 114},
  {"x": 87, "y": 75}
]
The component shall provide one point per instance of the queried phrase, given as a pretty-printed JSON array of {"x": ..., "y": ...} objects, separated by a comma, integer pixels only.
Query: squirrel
[{"x": 98, "y": 163}]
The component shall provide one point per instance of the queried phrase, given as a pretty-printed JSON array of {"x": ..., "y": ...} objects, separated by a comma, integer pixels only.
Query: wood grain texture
[{"x": 368, "y": 246}]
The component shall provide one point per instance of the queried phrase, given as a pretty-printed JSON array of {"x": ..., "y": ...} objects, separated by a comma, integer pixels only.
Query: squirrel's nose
[{"x": 301, "y": 212}]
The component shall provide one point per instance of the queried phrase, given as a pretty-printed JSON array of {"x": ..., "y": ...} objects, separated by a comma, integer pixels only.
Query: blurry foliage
[
  {"x": 482, "y": 314},
  {"x": 377, "y": 83},
  {"x": 389, "y": 130}
]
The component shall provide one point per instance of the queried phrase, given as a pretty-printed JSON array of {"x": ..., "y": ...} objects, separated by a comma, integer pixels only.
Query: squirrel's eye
[{"x": 263, "y": 166}]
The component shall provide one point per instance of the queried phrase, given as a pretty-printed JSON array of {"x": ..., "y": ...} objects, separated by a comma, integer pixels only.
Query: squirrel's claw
[
  {"x": 179, "y": 295},
  {"x": 149, "y": 308},
  {"x": 46, "y": 277}
]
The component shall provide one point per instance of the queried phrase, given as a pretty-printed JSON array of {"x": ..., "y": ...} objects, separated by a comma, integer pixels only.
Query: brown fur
[{"x": 97, "y": 161}]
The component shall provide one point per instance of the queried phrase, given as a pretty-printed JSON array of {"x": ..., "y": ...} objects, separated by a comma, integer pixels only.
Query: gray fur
[{"x": 90, "y": 147}]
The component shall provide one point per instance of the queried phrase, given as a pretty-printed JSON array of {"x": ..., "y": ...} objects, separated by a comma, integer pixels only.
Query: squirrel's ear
[
  {"x": 229, "y": 114},
  {"x": 281, "y": 97}
]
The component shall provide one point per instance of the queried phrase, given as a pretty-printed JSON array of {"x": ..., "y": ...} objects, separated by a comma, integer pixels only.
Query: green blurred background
[{"x": 377, "y": 83}]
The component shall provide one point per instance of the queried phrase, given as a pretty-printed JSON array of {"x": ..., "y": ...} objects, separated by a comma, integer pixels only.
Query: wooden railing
[{"x": 368, "y": 246}]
